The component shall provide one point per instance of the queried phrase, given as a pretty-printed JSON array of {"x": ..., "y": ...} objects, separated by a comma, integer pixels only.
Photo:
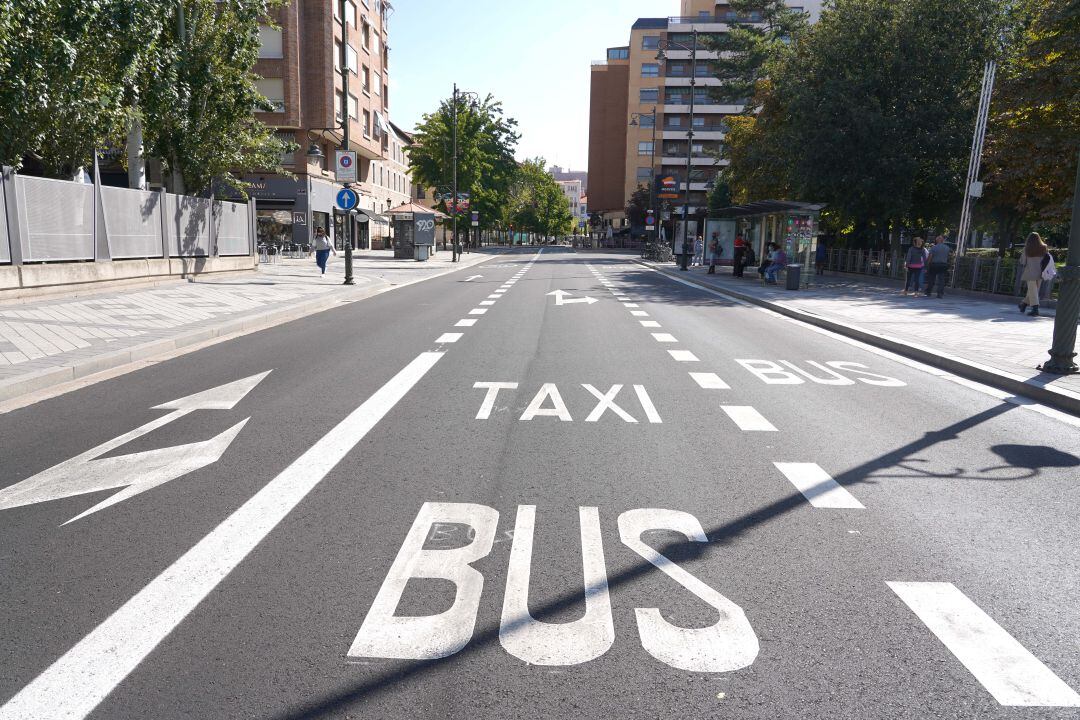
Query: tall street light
[
  {"x": 315, "y": 153},
  {"x": 635, "y": 121},
  {"x": 661, "y": 55},
  {"x": 1063, "y": 353},
  {"x": 454, "y": 114}
]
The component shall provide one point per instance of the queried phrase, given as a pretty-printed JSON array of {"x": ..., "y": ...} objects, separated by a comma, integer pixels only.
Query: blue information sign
[{"x": 347, "y": 199}]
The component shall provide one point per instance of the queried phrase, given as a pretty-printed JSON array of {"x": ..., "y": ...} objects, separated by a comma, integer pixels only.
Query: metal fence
[
  {"x": 51, "y": 221},
  {"x": 995, "y": 275}
]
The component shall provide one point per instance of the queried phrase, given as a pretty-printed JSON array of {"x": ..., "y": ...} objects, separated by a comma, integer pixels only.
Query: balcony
[
  {"x": 680, "y": 161},
  {"x": 699, "y": 134},
  {"x": 671, "y": 109}
]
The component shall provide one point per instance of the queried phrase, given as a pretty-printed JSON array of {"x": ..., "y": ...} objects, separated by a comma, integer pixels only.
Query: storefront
[{"x": 288, "y": 211}]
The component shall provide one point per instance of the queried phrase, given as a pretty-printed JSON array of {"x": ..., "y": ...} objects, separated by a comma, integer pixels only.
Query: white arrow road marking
[
  {"x": 561, "y": 298},
  {"x": 1005, "y": 668},
  {"x": 74, "y": 685},
  {"x": 137, "y": 472},
  {"x": 470, "y": 279}
]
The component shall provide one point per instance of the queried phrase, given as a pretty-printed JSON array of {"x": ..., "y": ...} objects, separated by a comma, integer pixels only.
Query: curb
[
  {"x": 1063, "y": 400},
  {"x": 45, "y": 379}
]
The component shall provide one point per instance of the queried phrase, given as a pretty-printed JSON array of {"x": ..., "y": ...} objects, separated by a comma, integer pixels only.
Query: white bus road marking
[
  {"x": 1002, "y": 665},
  {"x": 747, "y": 418},
  {"x": 449, "y": 337},
  {"x": 709, "y": 381},
  {"x": 683, "y": 356},
  {"x": 82, "y": 677},
  {"x": 818, "y": 487}
]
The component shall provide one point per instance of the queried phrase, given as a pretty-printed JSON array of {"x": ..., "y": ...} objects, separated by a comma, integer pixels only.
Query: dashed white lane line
[
  {"x": 75, "y": 684},
  {"x": 998, "y": 661},
  {"x": 709, "y": 381},
  {"x": 649, "y": 323},
  {"x": 629, "y": 305},
  {"x": 748, "y": 419},
  {"x": 639, "y": 313},
  {"x": 683, "y": 355},
  {"x": 494, "y": 296},
  {"x": 478, "y": 311},
  {"x": 818, "y": 487},
  {"x": 468, "y": 322},
  {"x": 487, "y": 302},
  {"x": 449, "y": 337},
  {"x": 664, "y": 337}
]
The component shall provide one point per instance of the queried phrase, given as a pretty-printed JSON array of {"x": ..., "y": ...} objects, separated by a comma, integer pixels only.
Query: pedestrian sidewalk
[
  {"x": 48, "y": 341},
  {"x": 983, "y": 339}
]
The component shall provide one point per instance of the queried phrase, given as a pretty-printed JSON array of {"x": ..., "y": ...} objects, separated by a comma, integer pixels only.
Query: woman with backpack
[{"x": 1037, "y": 265}]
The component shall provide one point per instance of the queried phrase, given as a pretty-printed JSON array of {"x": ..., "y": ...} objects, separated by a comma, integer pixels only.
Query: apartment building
[
  {"x": 300, "y": 63},
  {"x": 640, "y": 125}
]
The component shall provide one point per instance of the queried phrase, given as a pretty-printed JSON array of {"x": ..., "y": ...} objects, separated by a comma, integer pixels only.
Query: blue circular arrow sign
[{"x": 347, "y": 199}]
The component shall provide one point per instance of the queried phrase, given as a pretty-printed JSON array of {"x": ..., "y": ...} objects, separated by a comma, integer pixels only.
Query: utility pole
[
  {"x": 346, "y": 121},
  {"x": 1063, "y": 353}
]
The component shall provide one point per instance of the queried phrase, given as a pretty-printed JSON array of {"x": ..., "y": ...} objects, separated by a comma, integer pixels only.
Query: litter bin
[{"x": 794, "y": 275}]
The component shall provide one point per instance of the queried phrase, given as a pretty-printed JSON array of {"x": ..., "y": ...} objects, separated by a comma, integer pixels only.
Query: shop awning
[{"x": 368, "y": 215}]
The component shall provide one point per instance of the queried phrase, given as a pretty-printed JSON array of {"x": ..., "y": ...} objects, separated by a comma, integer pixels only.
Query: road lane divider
[
  {"x": 709, "y": 381},
  {"x": 75, "y": 684},
  {"x": 998, "y": 661},
  {"x": 748, "y": 419},
  {"x": 818, "y": 487}
]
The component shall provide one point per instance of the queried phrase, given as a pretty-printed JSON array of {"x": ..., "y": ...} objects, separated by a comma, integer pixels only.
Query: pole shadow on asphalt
[{"x": 721, "y": 535}]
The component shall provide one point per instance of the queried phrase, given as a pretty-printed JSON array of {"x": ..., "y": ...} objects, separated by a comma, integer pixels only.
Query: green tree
[
  {"x": 537, "y": 203},
  {"x": 720, "y": 194},
  {"x": 199, "y": 97},
  {"x": 640, "y": 201},
  {"x": 486, "y": 164}
]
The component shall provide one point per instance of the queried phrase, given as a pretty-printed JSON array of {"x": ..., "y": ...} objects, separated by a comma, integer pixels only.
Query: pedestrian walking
[
  {"x": 715, "y": 250},
  {"x": 1037, "y": 266},
  {"x": 739, "y": 261},
  {"x": 699, "y": 251},
  {"x": 915, "y": 262},
  {"x": 938, "y": 259},
  {"x": 821, "y": 255},
  {"x": 323, "y": 248}
]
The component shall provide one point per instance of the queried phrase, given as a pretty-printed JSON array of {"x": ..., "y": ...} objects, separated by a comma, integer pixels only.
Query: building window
[
  {"x": 619, "y": 53},
  {"x": 352, "y": 59},
  {"x": 650, "y": 42},
  {"x": 702, "y": 70},
  {"x": 678, "y": 70},
  {"x": 269, "y": 42},
  {"x": 365, "y": 80},
  {"x": 367, "y": 124},
  {"x": 699, "y": 122},
  {"x": 354, "y": 106},
  {"x": 365, "y": 32},
  {"x": 287, "y": 158},
  {"x": 649, "y": 95},
  {"x": 377, "y": 83},
  {"x": 644, "y": 148},
  {"x": 647, "y": 121},
  {"x": 339, "y": 102},
  {"x": 350, "y": 13},
  {"x": 675, "y": 121},
  {"x": 337, "y": 56},
  {"x": 650, "y": 70},
  {"x": 644, "y": 175},
  {"x": 273, "y": 89}
]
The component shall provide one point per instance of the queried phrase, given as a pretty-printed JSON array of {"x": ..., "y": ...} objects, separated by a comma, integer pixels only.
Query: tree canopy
[{"x": 537, "y": 203}]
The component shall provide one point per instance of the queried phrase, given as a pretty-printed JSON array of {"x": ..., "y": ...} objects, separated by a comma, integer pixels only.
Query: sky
[{"x": 533, "y": 55}]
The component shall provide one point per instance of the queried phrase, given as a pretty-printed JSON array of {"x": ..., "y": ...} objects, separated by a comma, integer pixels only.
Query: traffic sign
[
  {"x": 347, "y": 199},
  {"x": 345, "y": 166}
]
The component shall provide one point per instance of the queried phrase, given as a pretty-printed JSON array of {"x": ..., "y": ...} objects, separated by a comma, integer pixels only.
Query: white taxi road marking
[
  {"x": 709, "y": 381},
  {"x": 748, "y": 419},
  {"x": 818, "y": 487},
  {"x": 74, "y": 685},
  {"x": 1002, "y": 665}
]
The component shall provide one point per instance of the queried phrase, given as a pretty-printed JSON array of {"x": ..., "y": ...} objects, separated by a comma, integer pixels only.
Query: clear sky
[{"x": 534, "y": 55}]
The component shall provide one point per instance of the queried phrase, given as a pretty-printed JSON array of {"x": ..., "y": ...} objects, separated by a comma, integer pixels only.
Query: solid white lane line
[
  {"x": 748, "y": 419},
  {"x": 649, "y": 323},
  {"x": 487, "y": 302},
  {"x": 818, "y": 487},
  {"x": 478, "y": 311},
  {"x": 83, "y": 676},
  {"x": 639, "y": 313},
  {"x": 449, "y": 337},
  {"x": 683, "y": 355},
  {"x": 468, "y": 322},
  {"x": 664, "y": 337},
  {"x": 1002, "y": 665},
  {"x": 709, "y": 381}
]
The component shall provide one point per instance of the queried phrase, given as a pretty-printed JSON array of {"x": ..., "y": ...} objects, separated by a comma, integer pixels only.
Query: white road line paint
[
  {"x": 647, "y": 404},
  {"x": 818, "y": 487},
  {"x": 1004, "y": 667},
  {"x": 478, "y": 311},
  {"x": 709, "y": 381},
  {"x": 492, "y": 394},
  {"x": 748, "y": 419},
  {"x": 683, "y": 355},
  {"x": 449, "y": 337},
  {"x": 664, "y": 337},
  {"x": 468, "y": 322},
  {"x": 487, "y": 302},
  {"x": 74, "y": 685},
  {"x": 639, "y": 313},
  {"x": 494, "y": 296},
  {"x": 649, "y": 323},
  {"x": 629, "y": 305}
]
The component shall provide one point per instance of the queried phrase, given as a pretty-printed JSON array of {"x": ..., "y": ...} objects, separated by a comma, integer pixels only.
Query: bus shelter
[{"x": 794, "y": 226}]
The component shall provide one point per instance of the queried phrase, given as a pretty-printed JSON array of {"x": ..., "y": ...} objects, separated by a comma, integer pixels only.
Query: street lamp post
[
  {"x": 635, "y": 120},
  {"x": 684, "y": 257},
  {"x": 1063, "y": 352}
]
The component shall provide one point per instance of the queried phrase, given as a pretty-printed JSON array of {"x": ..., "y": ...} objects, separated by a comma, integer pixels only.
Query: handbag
[{"x": 1050, "y": 271}]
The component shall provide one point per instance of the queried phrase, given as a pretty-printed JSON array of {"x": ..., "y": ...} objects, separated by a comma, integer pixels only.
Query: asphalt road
[{"x": 659, "y": 504}]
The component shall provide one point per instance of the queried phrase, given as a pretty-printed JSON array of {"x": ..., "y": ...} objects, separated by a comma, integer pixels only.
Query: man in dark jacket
[{"x": 938, "y": 266}]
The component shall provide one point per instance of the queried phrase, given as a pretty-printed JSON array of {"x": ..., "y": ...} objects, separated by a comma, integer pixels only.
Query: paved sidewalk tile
[{"x": 990, "y": 331}]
